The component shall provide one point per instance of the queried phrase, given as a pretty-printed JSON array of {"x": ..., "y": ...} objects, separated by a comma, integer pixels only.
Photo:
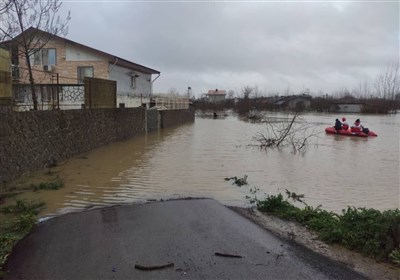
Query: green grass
[
  {"x": 19, "y": 219},
  {"x": 369, "y": 231},
  {"x": 51, "y": 185}
]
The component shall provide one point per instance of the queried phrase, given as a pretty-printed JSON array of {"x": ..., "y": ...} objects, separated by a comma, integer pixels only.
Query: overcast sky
[{"x": 323, "y": 46}]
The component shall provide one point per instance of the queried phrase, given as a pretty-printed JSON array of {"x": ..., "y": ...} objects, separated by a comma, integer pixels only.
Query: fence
[
  {"x": 49, "y": 96},
  {"x": 100, "y": 93},
  {"x": 171, "y": 103}
]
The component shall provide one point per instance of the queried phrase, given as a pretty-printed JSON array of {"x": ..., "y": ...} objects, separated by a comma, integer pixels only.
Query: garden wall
[
  {"x": 170, "y": 118},
  {"x": 31, "y": 140}
]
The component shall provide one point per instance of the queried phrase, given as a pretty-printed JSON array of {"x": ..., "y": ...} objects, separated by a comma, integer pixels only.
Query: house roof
[
  {"x": 216, "y": 92},
  {"x": 111, "y": 58},
  {"x": 284, "y": 99}
]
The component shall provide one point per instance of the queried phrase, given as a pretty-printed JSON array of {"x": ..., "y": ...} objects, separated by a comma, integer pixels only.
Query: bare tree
[
  {"x": 231, "y": 94},
  {"x": 29, "y": 25},
  {"x": 173, "y": 92},
  {"x": 291, "y": 131},
  {"x": 387, "y": 84},
  {"x": 4, "y": 5},
  {"x": 246, "y": 91}
]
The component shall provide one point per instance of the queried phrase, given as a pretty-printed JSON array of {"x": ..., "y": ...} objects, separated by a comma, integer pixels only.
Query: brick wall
[{"x": 67, "y": 70}]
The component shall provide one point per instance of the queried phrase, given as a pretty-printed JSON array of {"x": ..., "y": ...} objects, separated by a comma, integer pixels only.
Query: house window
[
  {"x": 134, "y": 76},
  {"x": 44, "y": 57},
  {"x": 84, "y": 71}
]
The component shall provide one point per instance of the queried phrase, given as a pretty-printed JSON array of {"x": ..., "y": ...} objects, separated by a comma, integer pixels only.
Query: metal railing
[
  {"x": 171, "y": 103},
  {"x": 49, "y": 96}
]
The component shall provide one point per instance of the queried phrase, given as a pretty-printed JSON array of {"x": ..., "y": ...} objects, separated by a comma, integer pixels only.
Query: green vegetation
[
  {"x": 52, "y": 185},
  {"x": 369, "y": 231},
  {"x": 19, "y": 220}
]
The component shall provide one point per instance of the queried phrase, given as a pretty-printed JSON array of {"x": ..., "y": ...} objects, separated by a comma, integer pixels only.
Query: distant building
[
  {"x": 294, "y": 102},
  {"x": 216, "y": 96},
  {"x": 347, "y": 104},
  {"x": 350, "y": 107}
]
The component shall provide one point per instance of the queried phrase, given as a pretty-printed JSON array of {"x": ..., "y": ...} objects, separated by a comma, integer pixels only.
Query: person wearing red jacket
[
  {"x": 357, "y": 127},
  {"x": 345, "y": 125}
]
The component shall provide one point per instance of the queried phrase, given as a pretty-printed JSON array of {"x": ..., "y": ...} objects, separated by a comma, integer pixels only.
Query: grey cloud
[{"x": 318, "y": 45}]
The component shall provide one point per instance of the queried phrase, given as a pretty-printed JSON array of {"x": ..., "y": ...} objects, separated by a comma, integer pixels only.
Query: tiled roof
[{"x": 216, "y": 92}]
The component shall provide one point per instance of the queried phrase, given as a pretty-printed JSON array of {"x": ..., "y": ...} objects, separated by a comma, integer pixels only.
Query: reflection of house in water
[
  {"x": 66, "y": 63},
  {"x": 294, "y": 102},
  {"x": 216, "y": 95}
]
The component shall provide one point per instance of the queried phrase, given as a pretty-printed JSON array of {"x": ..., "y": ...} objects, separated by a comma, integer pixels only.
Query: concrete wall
[{"x": 30, "y": 140}]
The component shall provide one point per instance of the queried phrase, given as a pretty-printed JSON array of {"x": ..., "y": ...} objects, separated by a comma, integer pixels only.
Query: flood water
[{"x": 193, "y": 160}]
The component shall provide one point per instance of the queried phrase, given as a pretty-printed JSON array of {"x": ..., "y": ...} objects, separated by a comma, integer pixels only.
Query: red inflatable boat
[{"x": 348, "y": 132}]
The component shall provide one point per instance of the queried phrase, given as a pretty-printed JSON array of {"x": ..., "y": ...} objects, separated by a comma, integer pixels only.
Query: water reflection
[{"x": 193, "y": 160}]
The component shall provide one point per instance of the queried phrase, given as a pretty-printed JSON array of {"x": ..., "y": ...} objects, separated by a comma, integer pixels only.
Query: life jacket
[
  {"x": 356, "y": 127},
  {"x": 345, "y": 126}
]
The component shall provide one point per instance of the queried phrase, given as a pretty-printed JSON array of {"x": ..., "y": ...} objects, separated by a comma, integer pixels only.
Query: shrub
[
  {"x": 369, "y": 231},
  {"x": 52, "y": 185}
]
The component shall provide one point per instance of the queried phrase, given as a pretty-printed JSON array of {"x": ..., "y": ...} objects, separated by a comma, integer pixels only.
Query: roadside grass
[
  {"x": 16, "y": 189},
  {"x": 18, "y": 219},
  {"x": 369, "y": 231}
]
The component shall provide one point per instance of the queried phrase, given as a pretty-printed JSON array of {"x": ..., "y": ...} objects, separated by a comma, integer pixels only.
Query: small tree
[
  {"x": 387, "y": 84},
  {"x": 30, "y": 25},
  {"x": 246, "y": 91},
  {"x": 230, "y": 95}
]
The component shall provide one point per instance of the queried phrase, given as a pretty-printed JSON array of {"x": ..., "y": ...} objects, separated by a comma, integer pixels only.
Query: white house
[
  {"x": 216, "y": 95},
  {"x": 66, "y": 62}
]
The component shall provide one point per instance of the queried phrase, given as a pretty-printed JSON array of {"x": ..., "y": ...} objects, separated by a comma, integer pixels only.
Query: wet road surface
[{"x": 106, "y": 243}]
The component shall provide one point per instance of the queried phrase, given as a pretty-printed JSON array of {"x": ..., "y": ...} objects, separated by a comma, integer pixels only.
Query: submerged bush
[
  {"x": 52, "y": 185},
  {"x": 23, "y": 207}
]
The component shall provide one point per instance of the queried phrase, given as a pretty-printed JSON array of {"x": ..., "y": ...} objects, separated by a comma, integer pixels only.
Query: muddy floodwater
[{"x": 192, "y": 161}]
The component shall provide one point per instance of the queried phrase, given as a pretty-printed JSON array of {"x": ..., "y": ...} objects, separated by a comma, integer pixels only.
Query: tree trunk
[{"x": 32, "y": 83}]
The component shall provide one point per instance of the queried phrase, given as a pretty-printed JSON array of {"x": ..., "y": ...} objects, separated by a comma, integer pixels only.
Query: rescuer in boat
[
  {"x": 338, "y": 125},
  {"x": 345, "y": 125},
  {"x": 357, "y": 127}
]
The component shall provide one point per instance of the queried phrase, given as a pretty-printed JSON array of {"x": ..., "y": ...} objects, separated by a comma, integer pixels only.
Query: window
[
  {"x": 134, "y": 76},
  {"x": 44, "y": 57},
  {"x": 84, "y": 71}
]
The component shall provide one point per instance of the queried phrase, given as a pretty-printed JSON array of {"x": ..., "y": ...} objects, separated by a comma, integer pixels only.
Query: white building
[{"x": 216, "y": 96}]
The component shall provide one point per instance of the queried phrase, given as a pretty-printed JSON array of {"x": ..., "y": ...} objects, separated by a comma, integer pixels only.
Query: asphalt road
[{"x": 107, "y": 243}]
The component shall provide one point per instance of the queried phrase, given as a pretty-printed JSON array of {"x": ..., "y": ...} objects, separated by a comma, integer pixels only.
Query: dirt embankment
[{"x": 299, "y": 234}]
